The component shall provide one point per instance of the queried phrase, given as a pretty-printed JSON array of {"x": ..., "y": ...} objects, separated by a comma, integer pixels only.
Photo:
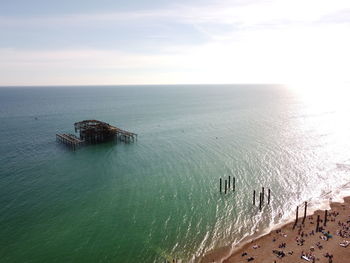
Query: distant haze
[{"x": 155, "y": 42}]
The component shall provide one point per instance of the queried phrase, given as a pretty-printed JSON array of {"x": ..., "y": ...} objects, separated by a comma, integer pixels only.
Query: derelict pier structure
[{"x": 94, "y": 131}]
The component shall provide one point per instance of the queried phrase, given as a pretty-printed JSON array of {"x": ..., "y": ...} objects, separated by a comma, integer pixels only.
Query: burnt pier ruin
[{"x": 94, "y": 131}]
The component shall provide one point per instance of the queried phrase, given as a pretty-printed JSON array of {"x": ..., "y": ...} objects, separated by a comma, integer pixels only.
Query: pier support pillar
[
  {"x": 305, "y": 210},
  {"x": 318, "y": 223},
  {"x": 262, "y": 195},
  {"x": 260, "y": 201},
  {"x": 296, "y": 217}
]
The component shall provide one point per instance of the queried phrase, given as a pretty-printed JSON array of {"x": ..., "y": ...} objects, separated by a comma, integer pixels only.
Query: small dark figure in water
[{"x": 250, "y": 259}]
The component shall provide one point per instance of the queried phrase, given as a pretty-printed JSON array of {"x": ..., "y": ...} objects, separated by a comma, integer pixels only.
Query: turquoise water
[{"x": 159, "y": 198}]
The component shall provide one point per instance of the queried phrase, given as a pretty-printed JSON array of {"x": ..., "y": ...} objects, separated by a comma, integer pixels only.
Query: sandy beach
[{"x": 301, "y": 244}]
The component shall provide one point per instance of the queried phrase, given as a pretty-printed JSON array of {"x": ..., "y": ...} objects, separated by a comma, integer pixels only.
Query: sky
[{"x": 105, "y": 42}]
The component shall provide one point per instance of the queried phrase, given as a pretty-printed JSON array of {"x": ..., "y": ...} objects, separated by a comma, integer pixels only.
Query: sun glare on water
[
  {"x": 323, "y": 93},
  {"x": 329, "y": 100}
]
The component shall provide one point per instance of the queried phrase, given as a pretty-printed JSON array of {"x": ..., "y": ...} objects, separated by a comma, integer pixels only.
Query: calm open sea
[{"x": 159, "y": 198}]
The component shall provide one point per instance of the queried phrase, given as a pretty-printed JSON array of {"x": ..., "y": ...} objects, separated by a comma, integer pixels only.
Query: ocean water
[{"x": 158, "y": 198}]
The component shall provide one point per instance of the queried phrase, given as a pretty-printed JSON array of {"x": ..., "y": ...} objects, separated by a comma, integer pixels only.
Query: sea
[{"x": 158, "y": 199}]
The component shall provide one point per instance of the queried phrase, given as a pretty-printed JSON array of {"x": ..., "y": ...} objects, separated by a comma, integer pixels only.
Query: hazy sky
[{"x": 66, "y": 42}]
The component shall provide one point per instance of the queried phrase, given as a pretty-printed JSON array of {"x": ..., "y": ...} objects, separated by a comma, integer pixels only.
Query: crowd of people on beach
[
  {"x": 309, "y": 254},
  {"x": 344, "y": 232}
]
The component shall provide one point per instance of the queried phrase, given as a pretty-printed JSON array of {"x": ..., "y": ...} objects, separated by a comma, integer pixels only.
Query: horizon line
[{"x": 114, "y": 85}]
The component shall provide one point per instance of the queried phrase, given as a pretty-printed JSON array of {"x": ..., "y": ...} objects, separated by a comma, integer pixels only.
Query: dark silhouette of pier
[{"x": 94, "y": 131}]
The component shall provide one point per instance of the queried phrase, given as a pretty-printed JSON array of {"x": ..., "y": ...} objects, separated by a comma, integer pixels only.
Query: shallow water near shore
[{"x": 159, "y": 198}]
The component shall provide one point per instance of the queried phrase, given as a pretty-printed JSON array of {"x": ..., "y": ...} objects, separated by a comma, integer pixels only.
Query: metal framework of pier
[
  {"x": 94, "y": 131},
  {"x": 69, "y": 139}
]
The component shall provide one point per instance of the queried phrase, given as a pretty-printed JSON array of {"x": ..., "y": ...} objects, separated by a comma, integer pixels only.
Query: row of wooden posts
[
  {"x": 228, "y": 184},
  {"x": 261, "y": 202},
  {"x": 228, "y": 188},
  {"x": 262, "y": 197},
  {"x": 304, "y": 217}
]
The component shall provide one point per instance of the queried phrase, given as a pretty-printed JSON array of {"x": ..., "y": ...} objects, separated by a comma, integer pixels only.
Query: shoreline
[{"x": 265, "y": 243}]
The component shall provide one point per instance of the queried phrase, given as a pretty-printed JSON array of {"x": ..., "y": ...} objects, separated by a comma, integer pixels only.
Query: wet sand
[{"x": 288, "y": 245}]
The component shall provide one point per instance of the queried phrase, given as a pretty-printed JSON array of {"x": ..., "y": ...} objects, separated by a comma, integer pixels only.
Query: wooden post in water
[
  {"x": 225, "y": 186},
  {"x": 325, "y": 218},
  {"x": 229, "y": 182},
  {"x": 220, "y": 185},
  {"x": 262, "y": 195},
  {"x": 305, "y": 209},
  {"x": 254, "y": 197},
  {"x": 318, "y": 223},
  {"x": 260, "y": 202},
  {"x": 296, "y": 217},
  {"x": 234, "y": 184},
  {"x": 268, "y": 196}
]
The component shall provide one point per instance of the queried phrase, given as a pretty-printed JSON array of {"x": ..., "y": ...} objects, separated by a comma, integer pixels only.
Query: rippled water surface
[{"x": 159, "y": 198}]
